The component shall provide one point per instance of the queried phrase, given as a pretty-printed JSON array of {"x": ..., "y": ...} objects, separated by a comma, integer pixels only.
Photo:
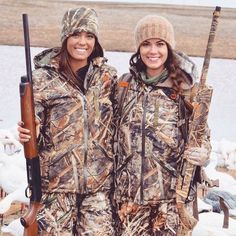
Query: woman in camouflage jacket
[
  {"x": 72, "y": 101},
  {"x": 152, "y": 111}
]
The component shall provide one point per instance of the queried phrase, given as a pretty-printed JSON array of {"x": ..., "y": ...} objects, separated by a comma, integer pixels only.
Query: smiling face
[
  {"x": 154, "y": 53},
  {"x": 80, "y": 46}
]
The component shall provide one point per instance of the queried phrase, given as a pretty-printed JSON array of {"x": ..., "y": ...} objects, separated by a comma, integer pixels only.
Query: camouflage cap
[{"x": 79, "y": 19}]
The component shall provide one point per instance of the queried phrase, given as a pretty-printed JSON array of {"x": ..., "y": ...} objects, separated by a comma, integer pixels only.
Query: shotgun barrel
[{"x": 33, "y": 191}]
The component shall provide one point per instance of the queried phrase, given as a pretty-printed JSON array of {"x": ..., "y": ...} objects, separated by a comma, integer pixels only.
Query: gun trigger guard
[{"x": 28, "y": 192}]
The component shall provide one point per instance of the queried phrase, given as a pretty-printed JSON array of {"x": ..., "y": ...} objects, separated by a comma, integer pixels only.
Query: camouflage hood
[
  {"x": 188, "y": 66},
  {"x": 47, "y": 58}
]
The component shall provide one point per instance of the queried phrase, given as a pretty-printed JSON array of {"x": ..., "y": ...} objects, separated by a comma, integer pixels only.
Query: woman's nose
[
  {"x": 82, "y": 40},
  {"x": 153, "y": 49}
]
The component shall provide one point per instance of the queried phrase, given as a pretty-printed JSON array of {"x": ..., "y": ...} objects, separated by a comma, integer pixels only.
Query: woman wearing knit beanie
[
  {"x": 72, "y": 102},
  {"x": 152, "y": 116}
]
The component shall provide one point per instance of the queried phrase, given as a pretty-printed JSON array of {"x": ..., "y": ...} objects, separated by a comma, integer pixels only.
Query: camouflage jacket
[
  {"x": 152, "y": 122},
  {"x": 75, "y": 137}
]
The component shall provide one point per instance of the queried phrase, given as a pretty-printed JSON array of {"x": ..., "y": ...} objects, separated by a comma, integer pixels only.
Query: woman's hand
[
  {"x": 198, "y": 156},
  {"x": 24, "y": 134}
]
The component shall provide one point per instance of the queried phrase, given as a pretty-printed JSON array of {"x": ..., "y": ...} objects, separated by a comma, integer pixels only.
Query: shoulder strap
[{"x": 123, "y": 86}]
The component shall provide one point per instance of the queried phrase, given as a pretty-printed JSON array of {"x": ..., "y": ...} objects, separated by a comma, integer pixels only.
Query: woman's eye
[
  {"x": 91, "y": 36},
  {"x": 145, "y": 44},
  {"x": 160, "y": 44},
  {"x": 75, "y": 35}
]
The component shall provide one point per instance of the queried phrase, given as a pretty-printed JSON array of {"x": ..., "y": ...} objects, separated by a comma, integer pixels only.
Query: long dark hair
[
  {"x": 64, "y": 60},
  {"x": 171, "y": 64}
]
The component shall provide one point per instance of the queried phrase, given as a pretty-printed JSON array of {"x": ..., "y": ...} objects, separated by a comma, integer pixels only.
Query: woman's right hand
[{"x": 24, "y": 134}]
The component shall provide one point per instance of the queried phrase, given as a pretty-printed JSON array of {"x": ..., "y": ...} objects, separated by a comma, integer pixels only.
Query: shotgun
[
  {"x": 33, "y": 190},
  {"x": 197, "y": 130}
]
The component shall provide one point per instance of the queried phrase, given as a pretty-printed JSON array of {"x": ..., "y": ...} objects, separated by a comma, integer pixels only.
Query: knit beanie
[
  {"x": 79, "y": 19},
  {"x": 153, "y": 26}
]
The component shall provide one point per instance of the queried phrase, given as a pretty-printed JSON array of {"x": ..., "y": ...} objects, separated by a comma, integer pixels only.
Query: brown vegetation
[{"x": 117, "y": 21}]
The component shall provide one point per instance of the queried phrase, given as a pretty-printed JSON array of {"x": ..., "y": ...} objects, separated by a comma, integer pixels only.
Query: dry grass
[
  {"x": 117, "y": 21},
  {"x": 17, "y": 209},
  {"x": 227, "y": 171}
]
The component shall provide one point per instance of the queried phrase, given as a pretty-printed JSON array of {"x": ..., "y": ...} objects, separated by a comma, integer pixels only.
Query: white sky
[{"x": 221, "y": 3}]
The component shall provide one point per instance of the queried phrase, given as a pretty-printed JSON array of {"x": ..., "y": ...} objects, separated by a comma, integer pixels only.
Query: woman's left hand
[{"x": 198, "y": 156}]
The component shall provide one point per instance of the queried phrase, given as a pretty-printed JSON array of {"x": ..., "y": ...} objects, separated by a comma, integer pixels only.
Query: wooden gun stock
[{"x": 33, "y": 191}]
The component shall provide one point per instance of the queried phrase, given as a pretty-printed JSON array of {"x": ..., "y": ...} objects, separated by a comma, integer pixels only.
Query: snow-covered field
[
  {"x": 221, "y": 76},
  {"x": 222, "y": 123}
]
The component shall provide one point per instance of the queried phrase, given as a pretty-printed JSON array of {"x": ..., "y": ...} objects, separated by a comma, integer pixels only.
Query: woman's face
[
  {"x": 154, "y": 53},
  {"x": 80, "y": 46}
]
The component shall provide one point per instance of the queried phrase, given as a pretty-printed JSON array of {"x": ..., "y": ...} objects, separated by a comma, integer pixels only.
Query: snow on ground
[{"x": 210, "y": 223}]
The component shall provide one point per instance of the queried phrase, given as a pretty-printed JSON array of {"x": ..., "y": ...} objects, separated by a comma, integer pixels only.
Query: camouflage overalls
[
  {"x": 74, "y": 148},
  {"x": 150, "y": 146}
]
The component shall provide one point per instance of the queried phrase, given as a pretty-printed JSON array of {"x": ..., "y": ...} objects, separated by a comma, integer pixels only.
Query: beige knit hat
[
  {"x": 79, "y": 19},
  {"x": 153, "y": 26}
]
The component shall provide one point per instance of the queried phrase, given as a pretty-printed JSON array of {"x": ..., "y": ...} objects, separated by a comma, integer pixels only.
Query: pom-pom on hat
[
  {"x": 153, "y": 26},
  {"x": 77, "y": 20}
]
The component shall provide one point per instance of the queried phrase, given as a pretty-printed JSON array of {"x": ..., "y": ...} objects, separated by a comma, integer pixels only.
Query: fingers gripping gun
[
  {"x": 197, "y": 130},
  {"x": 33, "y": 191}
]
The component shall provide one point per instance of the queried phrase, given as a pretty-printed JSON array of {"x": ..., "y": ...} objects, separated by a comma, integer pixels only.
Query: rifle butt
[
  {"x": 30, "y": 216},
  {"x": 31, "y": 230},
  {"x": 187, "y": 220}
]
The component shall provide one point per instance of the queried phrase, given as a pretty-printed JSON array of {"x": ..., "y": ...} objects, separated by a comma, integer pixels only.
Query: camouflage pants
[
  {"x": 158, "y": 220},
  {"x": 66, "y": 214}
]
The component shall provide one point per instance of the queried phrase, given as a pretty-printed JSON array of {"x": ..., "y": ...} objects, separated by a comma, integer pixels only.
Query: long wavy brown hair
[
  {"x": 64, "y": 61},
  {"x": 172, "y": 65}
]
